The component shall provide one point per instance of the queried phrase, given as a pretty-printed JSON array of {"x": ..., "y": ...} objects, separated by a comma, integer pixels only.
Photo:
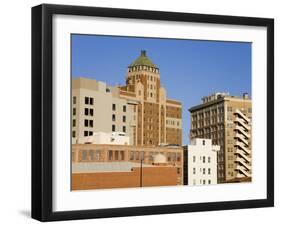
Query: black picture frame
[{"x": 42, "y": 111}]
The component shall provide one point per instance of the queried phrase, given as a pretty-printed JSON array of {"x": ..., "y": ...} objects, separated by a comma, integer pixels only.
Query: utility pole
[{"x": 141, "y": 171}]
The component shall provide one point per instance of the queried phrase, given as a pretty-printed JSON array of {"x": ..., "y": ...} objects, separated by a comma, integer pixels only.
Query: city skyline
[{"x": 196, "y": 66}]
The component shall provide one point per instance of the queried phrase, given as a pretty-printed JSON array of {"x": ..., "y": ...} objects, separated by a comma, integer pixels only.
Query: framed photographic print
[{"x": 145, "y": 112}]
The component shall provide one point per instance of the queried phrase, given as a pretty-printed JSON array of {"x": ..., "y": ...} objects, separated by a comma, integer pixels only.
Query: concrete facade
[
  {"x": 227, "y": 120},
  {"x": 201, "y": 159}
]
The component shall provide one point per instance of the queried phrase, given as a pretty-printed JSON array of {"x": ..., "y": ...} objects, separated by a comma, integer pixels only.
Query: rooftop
[{"x": 219, "y": 97}]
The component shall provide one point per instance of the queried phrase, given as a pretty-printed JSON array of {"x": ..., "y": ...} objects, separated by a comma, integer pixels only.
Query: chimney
[
  {"x": 143, "y": 53},
  {"x": 245, "y": 96}
]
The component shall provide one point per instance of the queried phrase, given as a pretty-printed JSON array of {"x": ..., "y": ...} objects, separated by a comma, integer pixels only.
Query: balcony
[
  {"x": 241, "y": 130},
  {"x": 237, "y": 111},
  {"x": 243, "y": 155},
  {"x": 243, "y": 162},
  {"x": 242, "y": 138},
  {"x": 242, "y": 170},
  {"x": 242, "y": 146},
  {"x": 242, "y": 123}
]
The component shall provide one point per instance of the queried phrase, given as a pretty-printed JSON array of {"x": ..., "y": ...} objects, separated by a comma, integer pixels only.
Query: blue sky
[{"x": 189, "y": 69}]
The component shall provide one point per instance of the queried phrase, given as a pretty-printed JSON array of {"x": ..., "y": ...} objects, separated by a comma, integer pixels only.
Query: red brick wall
[{"x": 151, "y": 176}]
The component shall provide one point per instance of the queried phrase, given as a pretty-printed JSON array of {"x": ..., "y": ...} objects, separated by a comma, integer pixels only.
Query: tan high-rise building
[
  {"x": 227, "y": 120},
  {"x": 159, "y": 119}
]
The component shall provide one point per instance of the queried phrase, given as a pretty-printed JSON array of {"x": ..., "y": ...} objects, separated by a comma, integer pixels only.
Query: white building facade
[{"x": 202, "y": 162}]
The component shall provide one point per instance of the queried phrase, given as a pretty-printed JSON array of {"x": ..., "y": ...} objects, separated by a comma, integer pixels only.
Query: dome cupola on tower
[{"x": 142, "y": 60}]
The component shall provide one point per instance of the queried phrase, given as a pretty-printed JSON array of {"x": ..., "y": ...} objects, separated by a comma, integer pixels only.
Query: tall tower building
[
  {"x": 227, "y": 120},
  {"x": 158, "y": 119}
]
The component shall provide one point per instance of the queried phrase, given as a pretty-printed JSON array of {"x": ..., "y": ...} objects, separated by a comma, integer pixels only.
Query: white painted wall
[{"x": 15, "y": 56}]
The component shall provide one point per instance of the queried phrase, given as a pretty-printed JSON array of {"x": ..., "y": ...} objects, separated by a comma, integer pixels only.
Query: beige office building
[{"x": 227, "y": 120}]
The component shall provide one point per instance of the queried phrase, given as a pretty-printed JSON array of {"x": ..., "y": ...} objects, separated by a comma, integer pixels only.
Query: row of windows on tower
[
  {"x": 114, "y": 108},
  {"x": 90, "y": 111},
  {"x": 203, "y": 170},
  {"x": 203, "y": 159},
  {"x": 123, "y": 128},
  {"x": 202, "y": 182},
  {"x": 87, "y": 100},
  {"x": 114, "y": 118}
]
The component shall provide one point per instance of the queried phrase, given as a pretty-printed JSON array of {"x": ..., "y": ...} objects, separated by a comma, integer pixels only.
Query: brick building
[{"x": 104, "y": 164}]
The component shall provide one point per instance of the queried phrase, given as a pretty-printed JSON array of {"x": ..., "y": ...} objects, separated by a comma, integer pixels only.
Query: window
[
  {"x": 113, "y": 128},
  {"x": 137, "y": 155},
  {"x": 97, "y": 155},
  {"x": 209, "y": 181},
  {"x": 90, "y": 133},
  {"x": 131, "y": 155},
  {"x": 204, "y": 181},
  {"x": 116, "y": 155},
  {"x": 74, "y": 100},
  {"x": 229, "y": 109},
  {"x": 178, "y": 170},
  {"x": 203, "y": 142},
  {"x": 91, "y": 101},
  {"x": 194, "y": 170},
  {"x": 122, "y": 155},
  {"x": 142, "y": 155},
  {"x": 73, "y": 122},
  {"x": 124, "y": 108},
  {"x": 85, "y": 133},
  {"x": 204, "y": 171},
  {"x": 194, "y": 158},
  {"x": 86, "y": 122},
  {"x": 74, "y": 111},
  {"x": 209, "y": 159},
  {"x": 84, "y": 155},
  {"x": 209, "y": 171},
  {"x": 91, "y": 155},
  {"x": 204, "y": 159},
  {"x": 73, "y": 134},
  {"x": 124, "y": 118},
  {"x": 91, "y": 123},
  {"x": 110, "y": 155},
  {"x": 113, "y": 117},
  {"x": 178, "y": 157},
  {"x": 86, "y": 100},
  {"x": 91, "y": 111},
  {"x": 124, "y": 129},
  {"x": 86, "y": 111},
  {"x": 113, "y": 107}
]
